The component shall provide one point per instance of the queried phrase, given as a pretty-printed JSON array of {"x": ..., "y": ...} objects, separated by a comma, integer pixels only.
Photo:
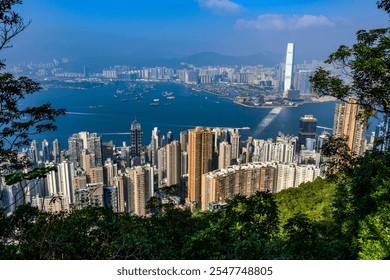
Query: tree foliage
[
  {"x": 367, "y": 66},
  {"x": 18, "y": 123}
]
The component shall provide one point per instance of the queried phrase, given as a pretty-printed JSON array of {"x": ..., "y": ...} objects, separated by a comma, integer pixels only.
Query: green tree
[
  {"x": 241, "y": 230},
  {"x": 18, "y": 124},
  {"x": 363, "y": 190},
  {"x": 367, "y": 65}
]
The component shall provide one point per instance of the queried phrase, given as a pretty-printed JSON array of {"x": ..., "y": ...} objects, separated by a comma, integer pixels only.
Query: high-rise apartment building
[
  {"x": 247, "y": 179},
  {"x": 138, "y": 185},
  {"x": 200, "y": 156},
  {"x": 283, "y": 150},
  {"x": 349, "y": 122},
  {"x": 307, "y": 130},
  {"x": 65, "y": 178},
  {"x": 173, "y": 151},
  {"x": 162, "y": 165},
  {"x": 184, "y": 140},
  {"x": 85, "y": 141},
  {"x": 225, "y": 155},
  {"x": 235, "y": 141},
  {"x": 56, "y": 151},
  {"x": 34, "y": 152},
  {"x": 94, "y": 146},
  {"x": 45, "y": 151},
  {"x": 288, "y": 73},
  {"x": 155, "y": 145}
]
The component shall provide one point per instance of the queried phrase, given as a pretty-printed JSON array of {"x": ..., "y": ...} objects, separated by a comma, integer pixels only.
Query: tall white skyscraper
[{"x": 288, "y": 73}]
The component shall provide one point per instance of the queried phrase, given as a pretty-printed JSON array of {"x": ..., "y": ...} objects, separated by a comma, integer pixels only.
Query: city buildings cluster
[
  {"x": 271, "y": 79},
  {"x": 201, "y": 168}
]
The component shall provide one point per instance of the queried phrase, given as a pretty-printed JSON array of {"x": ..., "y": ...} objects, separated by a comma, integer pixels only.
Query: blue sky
[{"x": 177, "y": 28}]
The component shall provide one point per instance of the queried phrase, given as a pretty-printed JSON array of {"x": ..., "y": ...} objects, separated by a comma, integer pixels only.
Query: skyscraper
[
  {"x": 75, "y": 147},
  {"x": 307, "y": 130},
  {"x": 136, "y": 139},
  {"x": 45, "y": 151},
  {"x": 173, "y": 163},
  {"x": 94, "y": 146},
  {"x": 162, "y": 165},
  {"x": 200, "y": 155},
  {"x": 225, "y": 155},
  {"x": 304, "y": 84},
  {"x": 235, "y": 141},
  {"x": 155, "y": 145},
  {"x": 288, "y": 73},
  {"x": 34, "y": 152},
  {"x": 348, "y": 121},
  {"x": 56, "y": 151},
  {"x": 140, "y": 189}
]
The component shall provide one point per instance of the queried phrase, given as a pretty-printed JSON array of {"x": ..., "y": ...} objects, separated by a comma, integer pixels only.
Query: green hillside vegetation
[{"x": 313, "y": 199}]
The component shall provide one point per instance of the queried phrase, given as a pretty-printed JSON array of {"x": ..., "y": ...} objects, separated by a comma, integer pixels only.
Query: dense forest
[{"x": 345, "y": 216}]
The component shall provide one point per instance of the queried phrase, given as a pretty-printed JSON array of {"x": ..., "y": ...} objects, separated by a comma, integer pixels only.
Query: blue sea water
[{"x": 104, "y": 111}]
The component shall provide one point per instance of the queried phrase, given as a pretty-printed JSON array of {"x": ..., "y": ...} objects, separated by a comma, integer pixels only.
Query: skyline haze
[{"x": 175, "y": 28}]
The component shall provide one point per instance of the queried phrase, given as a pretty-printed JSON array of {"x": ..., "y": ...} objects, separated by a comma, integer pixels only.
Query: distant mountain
[
  {"x": 212, "y": 58},
  {"x": 200, "y": 59}
]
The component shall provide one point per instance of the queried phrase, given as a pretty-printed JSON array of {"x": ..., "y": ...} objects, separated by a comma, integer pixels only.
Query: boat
[
  {"x": 170, "y": 97},
  {"x": 166, "y": 93},
  {"x": 156, "y": 100}
]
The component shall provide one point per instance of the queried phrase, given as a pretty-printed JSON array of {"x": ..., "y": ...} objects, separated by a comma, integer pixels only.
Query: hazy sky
[{"x": 177, "y": 28}]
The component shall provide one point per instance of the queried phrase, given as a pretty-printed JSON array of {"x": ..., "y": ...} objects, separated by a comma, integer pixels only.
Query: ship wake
[{"x": 267, "y": 120}]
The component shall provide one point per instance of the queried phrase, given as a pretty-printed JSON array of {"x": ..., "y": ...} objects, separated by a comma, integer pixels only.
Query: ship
[
  {"x": 167, "y": 93},
  {"x": 155, "y": 102}
]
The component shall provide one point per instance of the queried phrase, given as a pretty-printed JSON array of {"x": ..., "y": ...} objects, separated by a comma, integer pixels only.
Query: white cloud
[
  {"x": 283, "y": 22},
  {"x": 220, "y": 6}
]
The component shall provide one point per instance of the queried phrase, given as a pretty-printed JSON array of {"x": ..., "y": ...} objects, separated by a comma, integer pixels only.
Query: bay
[{"x": 106, "y": 112}]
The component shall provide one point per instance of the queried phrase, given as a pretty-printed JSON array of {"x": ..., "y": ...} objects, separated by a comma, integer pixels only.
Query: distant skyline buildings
[{"x": 288, "y": 72}]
